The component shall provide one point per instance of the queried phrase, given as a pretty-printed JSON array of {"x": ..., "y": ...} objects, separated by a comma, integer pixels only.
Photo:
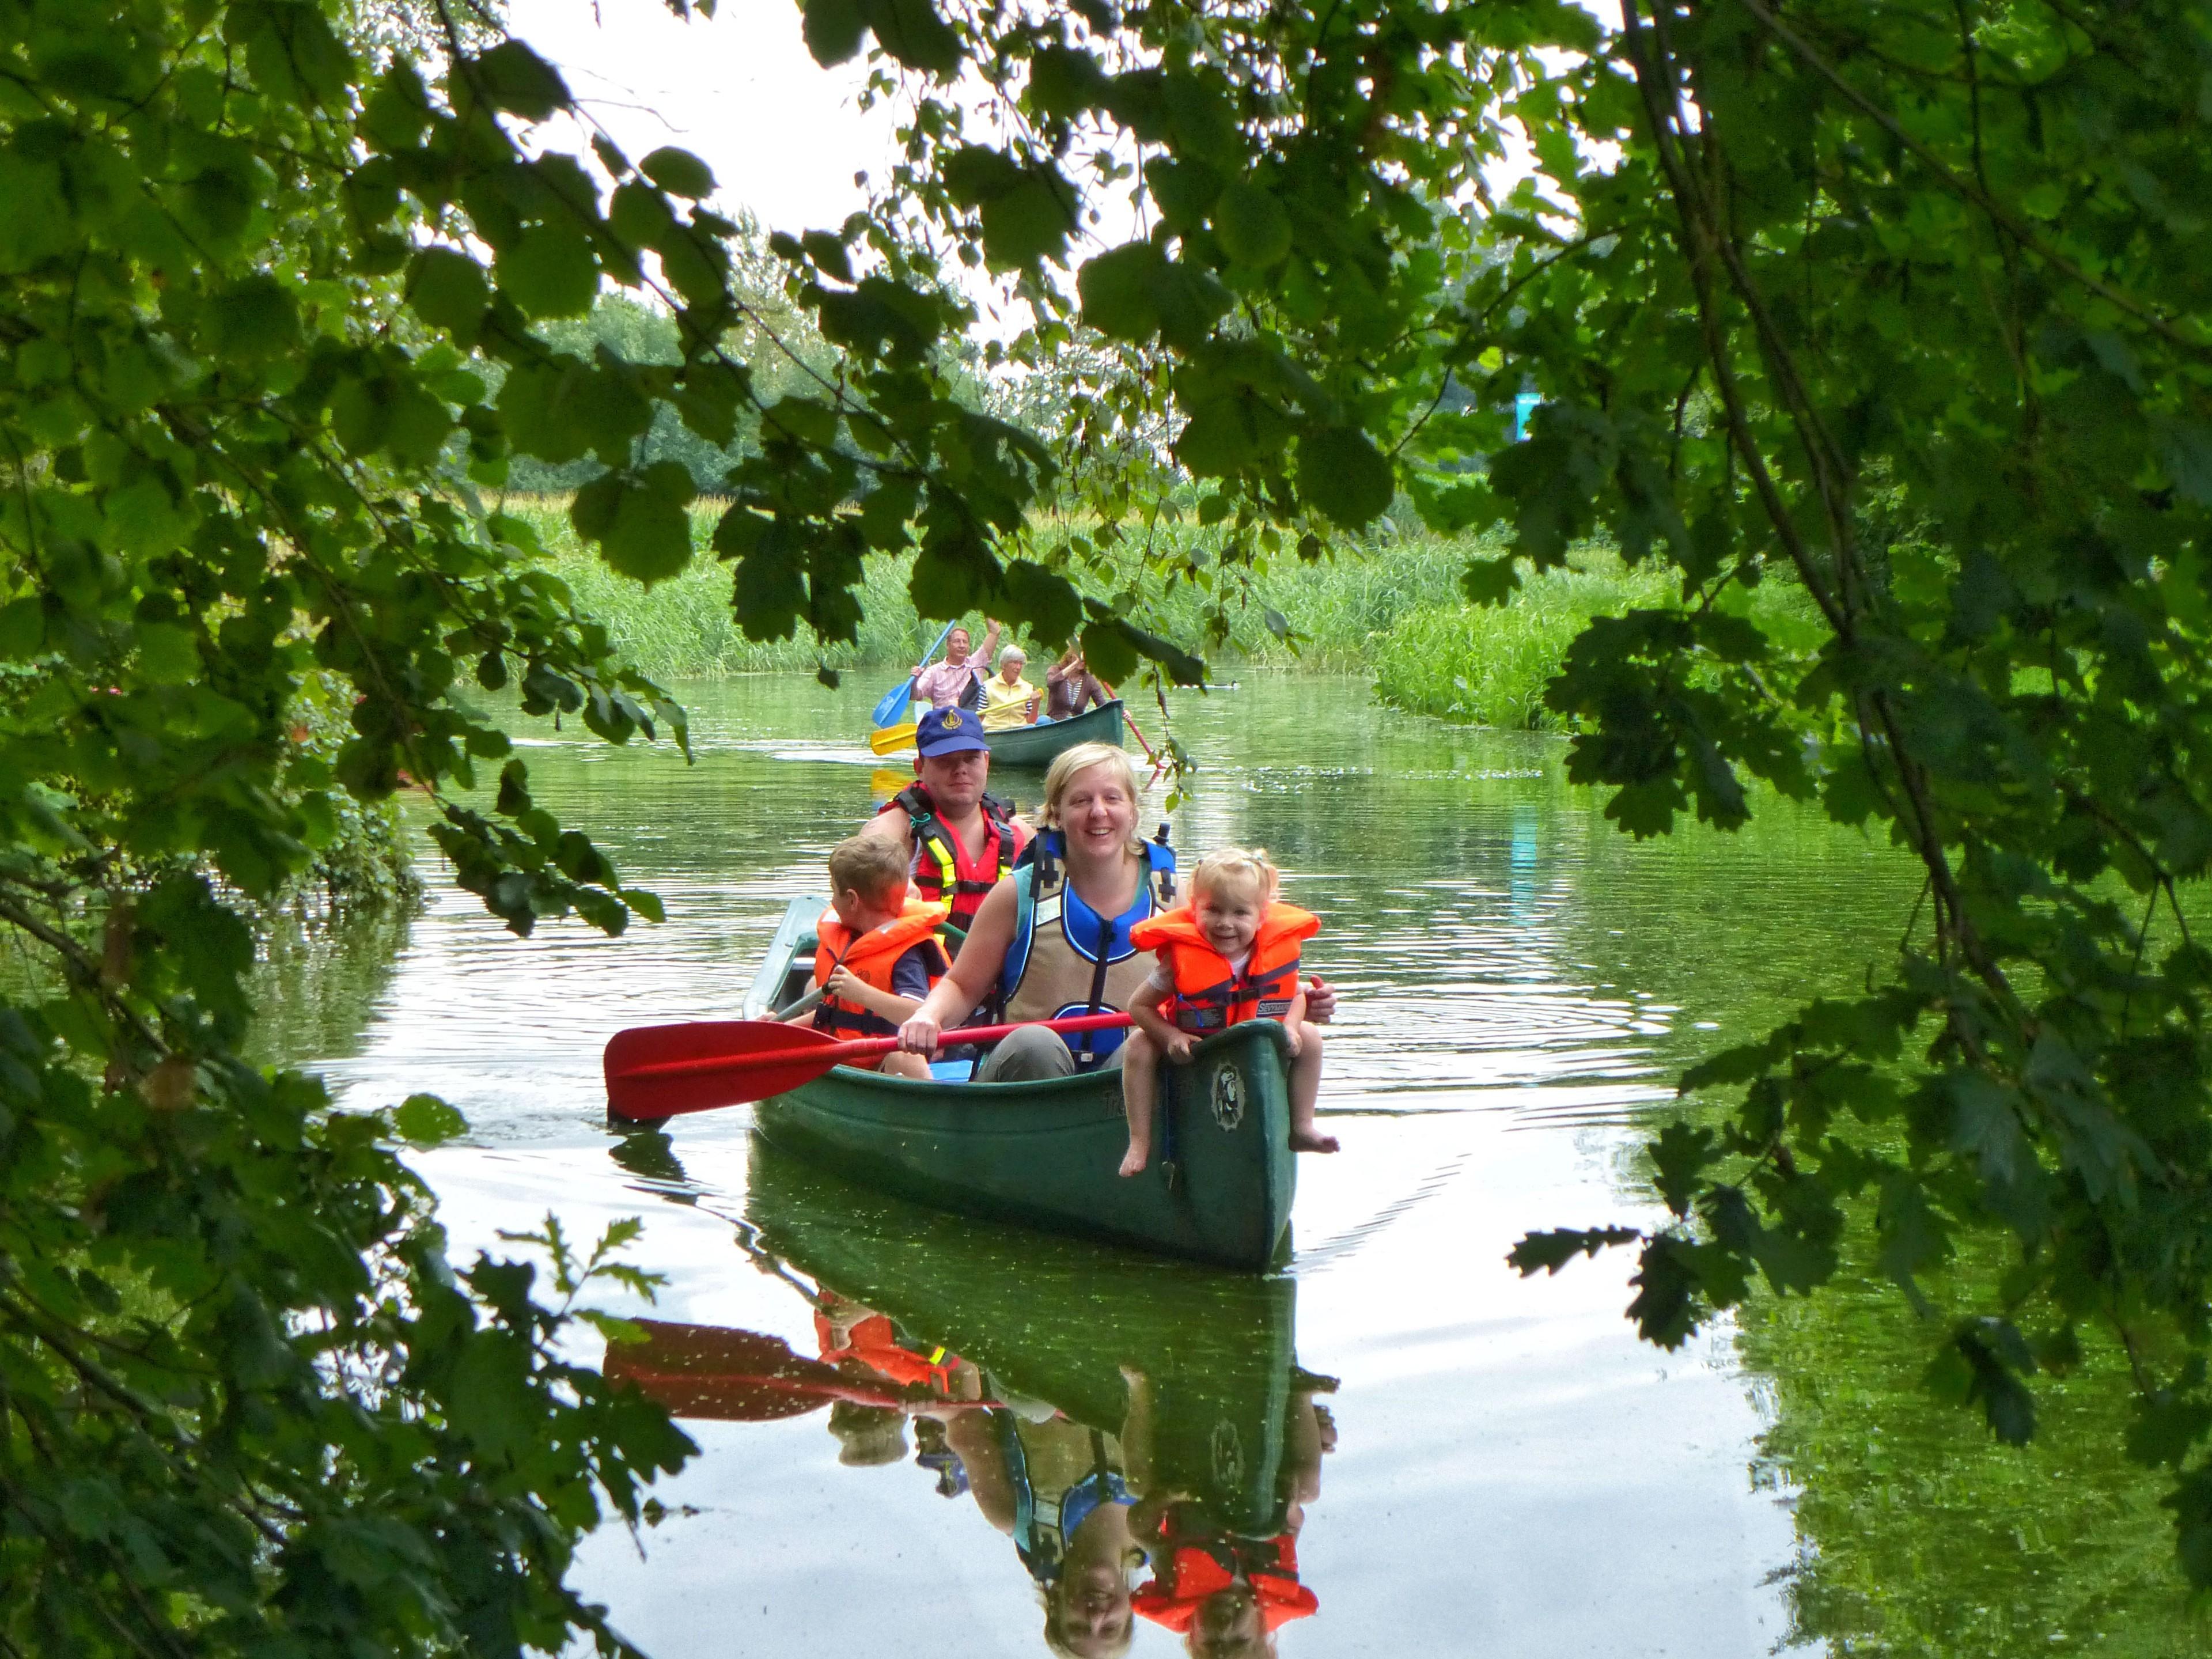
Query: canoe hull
[{"x": 1219, "y": 1189}]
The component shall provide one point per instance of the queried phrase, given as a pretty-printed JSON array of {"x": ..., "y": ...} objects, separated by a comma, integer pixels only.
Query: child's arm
[
  {"x": 848, "y": 987},
  {"x": 1144, "y": 1008}
]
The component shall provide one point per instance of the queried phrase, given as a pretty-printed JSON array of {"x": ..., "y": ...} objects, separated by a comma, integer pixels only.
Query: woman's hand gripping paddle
[
  {"x": 895, "y": 699},
  {"x": 655, "y": 1072}
]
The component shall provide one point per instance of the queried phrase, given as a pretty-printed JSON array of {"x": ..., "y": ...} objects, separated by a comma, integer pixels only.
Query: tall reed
[{"x": 1336, "y": 611}]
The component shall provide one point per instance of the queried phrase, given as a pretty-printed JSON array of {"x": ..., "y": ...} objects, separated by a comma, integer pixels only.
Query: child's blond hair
[
  {"x": 866, "y": 864},
  {"x": 1237, "y": 870}
]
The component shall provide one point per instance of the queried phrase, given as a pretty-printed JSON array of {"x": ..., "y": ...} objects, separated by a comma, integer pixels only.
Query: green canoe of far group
[
  {"x": 1048, "y": 1154},
  {"x": 1037, "y": 745}
]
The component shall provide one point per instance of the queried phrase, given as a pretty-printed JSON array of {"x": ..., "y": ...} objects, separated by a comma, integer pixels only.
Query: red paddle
[
  {"x": 657, "y": 1071},
  {"x": 1139, "y": 737}
]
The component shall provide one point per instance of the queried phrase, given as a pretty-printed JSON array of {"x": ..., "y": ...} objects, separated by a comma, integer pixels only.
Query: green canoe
[
  {"x": 1037, "y": 745},
  {"x": 1047, "y": 1154},
  {"x": 1048, "y": 1320}
]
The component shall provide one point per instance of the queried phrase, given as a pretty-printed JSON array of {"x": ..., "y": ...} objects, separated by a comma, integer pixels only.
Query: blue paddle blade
[{"x": 892, "y": 708}]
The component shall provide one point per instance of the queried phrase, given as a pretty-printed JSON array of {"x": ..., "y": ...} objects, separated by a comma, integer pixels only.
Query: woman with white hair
[
  {"x": 1009, "y": 700},
  {"x": 1053, "y": 938}
]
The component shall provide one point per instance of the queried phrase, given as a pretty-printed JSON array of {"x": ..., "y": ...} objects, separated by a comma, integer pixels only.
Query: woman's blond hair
[
  {"x": 1239, "y": 869},
  {"x": 1081, "y": 758}
]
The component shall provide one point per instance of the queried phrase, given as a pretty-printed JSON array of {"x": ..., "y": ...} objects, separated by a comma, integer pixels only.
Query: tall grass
[
  {"x": 1337, "y": 611},
  {"x": 1488, "y": 665},
  {"x": 1393, "y": 608}
]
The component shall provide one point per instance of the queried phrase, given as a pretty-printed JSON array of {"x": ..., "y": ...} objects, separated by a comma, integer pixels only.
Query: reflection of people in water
[
  {"x": 1060, "y": 1490},
  {"x": 861, "y": 1341},
  {"x": 1226, "y": 1593},
  {"x": 1084, "y": 1513}
]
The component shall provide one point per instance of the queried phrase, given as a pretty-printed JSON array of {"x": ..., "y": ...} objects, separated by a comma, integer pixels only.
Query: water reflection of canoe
[
  {"x": 1050, "y": 1320},
  {"x": 1046, "y": 1154},
  {"x": 1036, "y": 745}
]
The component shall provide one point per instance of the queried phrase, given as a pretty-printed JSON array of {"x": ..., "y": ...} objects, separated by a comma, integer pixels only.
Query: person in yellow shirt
[{"x": 1009, "y": 700}]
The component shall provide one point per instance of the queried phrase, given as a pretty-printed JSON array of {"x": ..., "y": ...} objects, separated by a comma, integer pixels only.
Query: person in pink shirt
[{"x": 957, "y": 682}]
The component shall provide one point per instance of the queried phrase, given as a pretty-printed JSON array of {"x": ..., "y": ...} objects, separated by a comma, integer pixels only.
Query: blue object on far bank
[
  {"x": 1524, "y": 405},
  {"x": 892, "y": 709}
]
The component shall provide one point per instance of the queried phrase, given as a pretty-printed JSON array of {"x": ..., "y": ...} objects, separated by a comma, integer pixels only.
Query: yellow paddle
[{"x": 890, "y": 737}]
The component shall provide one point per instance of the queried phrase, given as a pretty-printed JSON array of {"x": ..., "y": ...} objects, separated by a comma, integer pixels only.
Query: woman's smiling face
[{"x": 1096, "y": 812}]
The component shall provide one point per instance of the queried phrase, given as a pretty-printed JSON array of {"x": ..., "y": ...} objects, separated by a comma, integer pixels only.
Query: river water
[{"x": 1470, "y": 1462}]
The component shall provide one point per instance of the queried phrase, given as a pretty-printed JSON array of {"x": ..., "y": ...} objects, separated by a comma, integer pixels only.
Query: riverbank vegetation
[
  {"x": 1332, "y": 612},
  {"x": 1900, "y": 301}
]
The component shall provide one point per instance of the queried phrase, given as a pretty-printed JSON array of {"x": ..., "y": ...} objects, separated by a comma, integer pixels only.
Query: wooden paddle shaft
[{"x": 830, "y": 1054}]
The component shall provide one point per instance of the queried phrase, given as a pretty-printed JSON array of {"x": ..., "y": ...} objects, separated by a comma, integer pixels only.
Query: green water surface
[{"x": 1499, "y": 1468}]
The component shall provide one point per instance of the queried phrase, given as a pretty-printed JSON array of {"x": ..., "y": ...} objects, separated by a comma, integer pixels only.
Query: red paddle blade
[
  {"x": 716, "y": 1372},
  {"x": 633, "y": 1092}
]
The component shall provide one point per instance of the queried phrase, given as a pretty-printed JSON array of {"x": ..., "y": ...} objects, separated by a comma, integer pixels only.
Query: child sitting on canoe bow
[
  {"x": 1230, "y": 956},
  {"x": 877, "y": 952}
]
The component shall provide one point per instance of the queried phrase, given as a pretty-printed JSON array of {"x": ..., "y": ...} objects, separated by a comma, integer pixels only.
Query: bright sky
[{"x": 782, "y": 134}]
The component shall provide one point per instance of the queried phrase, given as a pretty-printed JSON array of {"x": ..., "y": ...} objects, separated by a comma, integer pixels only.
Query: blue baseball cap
[{"x": 949, "y": 732}]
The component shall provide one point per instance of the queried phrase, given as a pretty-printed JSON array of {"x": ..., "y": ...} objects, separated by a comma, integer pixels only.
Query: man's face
[
  {"x": 957, "y": 646},
  {"x": 955, "y": 781}
]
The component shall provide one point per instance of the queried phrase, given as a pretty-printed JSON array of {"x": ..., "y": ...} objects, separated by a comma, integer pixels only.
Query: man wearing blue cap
[{"x": 959, "y": 839}]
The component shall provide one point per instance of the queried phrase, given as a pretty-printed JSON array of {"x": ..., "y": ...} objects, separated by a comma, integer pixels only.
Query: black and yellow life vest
[{"x": 944, "y": 873}]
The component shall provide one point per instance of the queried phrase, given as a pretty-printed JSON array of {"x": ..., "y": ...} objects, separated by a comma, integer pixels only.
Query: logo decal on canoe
[{"x": 1228, "y": 1097}]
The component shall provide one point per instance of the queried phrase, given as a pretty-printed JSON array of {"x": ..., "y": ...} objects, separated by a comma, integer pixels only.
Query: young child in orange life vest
[
  {"x": 1230, "y": 956},
  {"x": 876, "y": 953}
]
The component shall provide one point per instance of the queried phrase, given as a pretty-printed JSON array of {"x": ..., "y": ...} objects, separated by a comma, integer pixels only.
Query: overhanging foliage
[{"x": 1898, "y": 304}]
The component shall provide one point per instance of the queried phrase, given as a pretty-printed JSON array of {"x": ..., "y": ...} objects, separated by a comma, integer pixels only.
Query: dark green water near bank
[{"x": 1499, "y": 1467}]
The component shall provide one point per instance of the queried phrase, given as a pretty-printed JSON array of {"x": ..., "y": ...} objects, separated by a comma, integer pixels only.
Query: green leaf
[
  {"x": 638, "y": 518},
  {"x": 1548, "y": 1252},
  {"x": 513, "y": 77},
  {"x": 1044, "y": 600},
  {"x": 449, "y": 290},
  {"x": 678, "y": 172},
  {"x": 1120, "y": 291},
  {"x": 167, "y": 655},
  {"x": 1030, "y": 220},
  {"x": 255, "y": 319},
  {"x": 1251, "y": 224},
  {"x": 426, "y": 1120},
  {"x": 833, "y": 29},
  {"x": 1680, "y": 1155},
  {"x": 549, "y": 271},
  {"x": 1343, "y": 475},
  {"x": 913, "y": 33}
]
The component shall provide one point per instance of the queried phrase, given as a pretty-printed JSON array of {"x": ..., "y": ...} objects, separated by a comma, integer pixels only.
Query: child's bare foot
[
  {"x": 1133, "y": 1160},
  {"x": 1302, "y": 1140}
]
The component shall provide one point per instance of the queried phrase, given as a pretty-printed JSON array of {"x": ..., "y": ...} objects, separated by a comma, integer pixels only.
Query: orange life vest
[
  {"x": 874, "y": 1341},
  {"x": 1211, "y": 995},
  {"x": 1197, "y": 1572},
  {"x": 871, "y": 958}
]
